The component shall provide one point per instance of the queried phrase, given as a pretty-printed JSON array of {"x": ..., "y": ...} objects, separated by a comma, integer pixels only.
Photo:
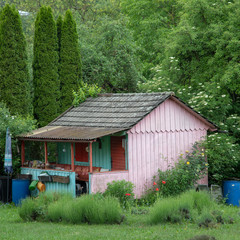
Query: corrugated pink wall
[
  {"x": 99, "y": 180},
  {"x": 158, "y": 140}
]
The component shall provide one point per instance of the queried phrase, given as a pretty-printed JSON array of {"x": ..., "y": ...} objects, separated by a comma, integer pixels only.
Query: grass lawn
[{"x": 136, "y": 227}]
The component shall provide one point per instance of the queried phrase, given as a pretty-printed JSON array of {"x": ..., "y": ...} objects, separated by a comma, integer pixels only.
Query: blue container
[
  {"x": 20, "y": 190},
  {"x": 231, "y": 191}
]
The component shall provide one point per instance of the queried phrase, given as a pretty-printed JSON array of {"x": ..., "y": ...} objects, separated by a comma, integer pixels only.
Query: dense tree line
[
  {"x": 190, "y": 47},
  {"x": 186, "y": 46}
]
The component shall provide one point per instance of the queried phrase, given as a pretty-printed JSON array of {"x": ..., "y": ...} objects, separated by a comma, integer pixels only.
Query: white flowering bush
[{"x": 223, "y": 155}]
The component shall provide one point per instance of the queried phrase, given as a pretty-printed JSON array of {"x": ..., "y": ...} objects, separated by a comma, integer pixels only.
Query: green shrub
[
  {"x": 187, "y": 206},
  {"x": 112, "y": 210},
  {"x": 206, "y": 219},
  {"x": 98, "y": 209},
  {"x": 92, "y": 209},
  {"x": 223, "y": 155},
  {"x": 201, "y": 200},
  {"x": 122, "y": 190},
  {"x": 85, "y": 91},
  {"x": 57, "y": 209},
  {"x": 37, "y": 209},
  {"x": 28, "y": 210}
]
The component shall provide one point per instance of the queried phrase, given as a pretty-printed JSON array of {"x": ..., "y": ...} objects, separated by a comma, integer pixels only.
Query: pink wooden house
[{"x": 121, "y": 136}]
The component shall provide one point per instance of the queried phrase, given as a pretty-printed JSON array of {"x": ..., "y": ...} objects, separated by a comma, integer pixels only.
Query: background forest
[{"x": 190, "y": 47}]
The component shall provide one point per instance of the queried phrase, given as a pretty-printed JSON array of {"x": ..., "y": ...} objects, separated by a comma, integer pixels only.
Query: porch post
[
  {"x": 72, "y": 157},
  {"x": 23, "y": 152},
  {"x": 90, "y": 157},
  {"x": 46, "y": 153}
]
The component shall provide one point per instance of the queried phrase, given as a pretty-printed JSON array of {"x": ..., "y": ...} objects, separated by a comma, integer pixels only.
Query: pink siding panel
[
  {"x": 156, "y": 151},
  {"x": 169, "y": 116},
  {"x": 99, "y": 180}
]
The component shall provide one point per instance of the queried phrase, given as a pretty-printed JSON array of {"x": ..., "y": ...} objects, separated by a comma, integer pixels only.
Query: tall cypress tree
[
  {"x": 59, "y": 31},
  {"x": 14, "y": 76},
  {"x": 70, "y": 71},
  {"x": 45, "y": 67}
]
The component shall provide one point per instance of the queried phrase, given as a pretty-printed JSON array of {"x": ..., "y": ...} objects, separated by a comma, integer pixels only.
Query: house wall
[
  {"x": 157, "y": 141},
  {"x": 54, "y": 186},
  {"x": 98, "y": 181},
  {"x": 101, "y": 156}
]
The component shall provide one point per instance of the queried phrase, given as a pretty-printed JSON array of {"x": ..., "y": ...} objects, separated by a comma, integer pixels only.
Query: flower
[
  {"x": 202, "y": 154},
  {"x": 187, "y": 151},
  {"x": 128, "y": 194},
  {"x": 163, "y": 182},
  {"x": 188, "y": 163},
  {"x": 154, "y": 183},
  {"x": 157, "y": 189}
]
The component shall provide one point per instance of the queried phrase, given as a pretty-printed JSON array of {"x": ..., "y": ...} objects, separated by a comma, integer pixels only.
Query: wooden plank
[
  {"x": 72, "y": 157},
  {"x": 117, "y": 153},
  {"x": 90, "y": 153}
]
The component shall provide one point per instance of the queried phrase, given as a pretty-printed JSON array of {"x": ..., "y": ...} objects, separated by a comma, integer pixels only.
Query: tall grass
[
  {"x": 36, "y": 209},
  {"x": 93, "y": 209},
  {"x": 185, "y": 206}
]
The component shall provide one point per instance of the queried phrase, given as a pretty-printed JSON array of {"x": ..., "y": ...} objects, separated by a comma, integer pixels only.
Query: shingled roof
[
  {"x": 112, "y": 110},
  {"x": 104, "y": 115}
]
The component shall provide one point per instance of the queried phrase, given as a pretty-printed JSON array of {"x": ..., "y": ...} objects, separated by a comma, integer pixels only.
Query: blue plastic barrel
[
  {"x": 20, "y": 190},
  {"x": 231, "y": 191}
]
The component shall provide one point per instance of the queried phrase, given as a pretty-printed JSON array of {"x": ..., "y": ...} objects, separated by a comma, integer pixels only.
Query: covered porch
[{"x": 88, "y": 157}]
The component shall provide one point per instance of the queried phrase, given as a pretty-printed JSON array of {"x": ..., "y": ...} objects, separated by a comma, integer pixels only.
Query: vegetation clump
[
  {"x": 196, "y": 207},
  {"x": 92, "y": 209},
  {"x": 122, "y": 190}
]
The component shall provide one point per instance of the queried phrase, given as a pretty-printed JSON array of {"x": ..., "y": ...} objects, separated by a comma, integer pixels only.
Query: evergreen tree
[
  {"x": 14, "y": 83},
  {"x": 70, "y": 61},
  {"x": 45, "y": 67},
  {"x": 59, "y": 31}
]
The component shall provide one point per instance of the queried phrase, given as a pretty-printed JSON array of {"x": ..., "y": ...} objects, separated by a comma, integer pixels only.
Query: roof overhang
[{"x": 68, "y": 134}]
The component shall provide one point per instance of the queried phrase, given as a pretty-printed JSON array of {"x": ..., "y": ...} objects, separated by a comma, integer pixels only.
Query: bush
[
  {"x": 184, "y": 207},
  {"x": 223, "y": 157},
  {"x": 92, "y": 209},
  {"x": 85, "y": 91},
  {"x": 57, "y": 209},
  {"x": 37, "y": 209},
  {"x": 122, "y": 190},
  {"x": 28, "y": 210}
]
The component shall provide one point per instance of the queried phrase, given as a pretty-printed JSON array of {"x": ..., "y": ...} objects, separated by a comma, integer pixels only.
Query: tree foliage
[
  {"x": 70, "y": 69},
  {"x": 14, "y": 84},
  {"x": 17, "y": 126},
  {"x": 109, "y": 60},
  {"x": 45, "y": 68},
  {"x": 151, "y": 22}
]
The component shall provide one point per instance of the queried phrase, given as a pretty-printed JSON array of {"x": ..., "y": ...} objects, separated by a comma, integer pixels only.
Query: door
[
  {"x": 118, "y": 153},
  {"x": 81, "y": 154}
]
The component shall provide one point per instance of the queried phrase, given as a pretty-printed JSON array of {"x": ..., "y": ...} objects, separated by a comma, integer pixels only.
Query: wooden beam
[
  {"x": 90, "y": 157},
  {"x": 46, "y": 154},
  {"x": 23, "y": 152},
  {"x": 72, "y": 157}
]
